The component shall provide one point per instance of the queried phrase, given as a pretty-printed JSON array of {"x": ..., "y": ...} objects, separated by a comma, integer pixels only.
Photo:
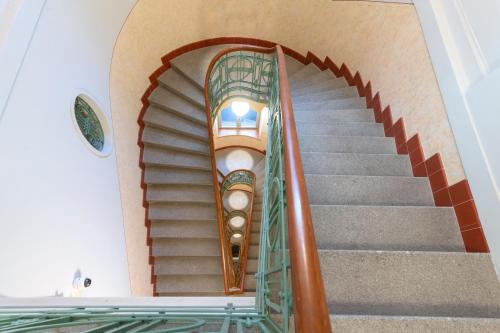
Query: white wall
[
  {"x": 463, "y": 37},
  {"x": 60, "y": 205}
]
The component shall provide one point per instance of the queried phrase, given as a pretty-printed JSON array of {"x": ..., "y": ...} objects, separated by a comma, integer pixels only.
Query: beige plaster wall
[{"x": 381, "y": 40}]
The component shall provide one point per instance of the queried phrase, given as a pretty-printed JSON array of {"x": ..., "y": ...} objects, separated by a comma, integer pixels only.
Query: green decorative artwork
[{"x": 89, "y": 124}]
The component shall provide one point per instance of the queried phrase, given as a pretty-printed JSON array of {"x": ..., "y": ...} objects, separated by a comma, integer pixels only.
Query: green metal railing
[
  {"x": 273, "y": 297},
  {"x": 98, "y": 319},
  {"x": 259, "y": 81},
  {"x": 239, "y": 74},
  {"x": 237, "y": 177}
]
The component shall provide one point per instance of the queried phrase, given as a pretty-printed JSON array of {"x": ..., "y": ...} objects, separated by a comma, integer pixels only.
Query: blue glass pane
[
  {"x": 228, "y": 118},
  {"x": 250, "y": 119}
]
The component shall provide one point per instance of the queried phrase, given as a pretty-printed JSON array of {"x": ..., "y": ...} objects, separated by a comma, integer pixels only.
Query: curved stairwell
[{"x": 391, "y": 260}]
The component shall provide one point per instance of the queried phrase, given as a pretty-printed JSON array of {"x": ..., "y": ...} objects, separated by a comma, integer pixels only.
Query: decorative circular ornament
[
  {"x": 236, "y": 238},
  {"x": 89, "y": 124},
  {"x": 239, "y": 159},
  {"x": 238, "y": 200},
  {"x": 237, "y": 222}
]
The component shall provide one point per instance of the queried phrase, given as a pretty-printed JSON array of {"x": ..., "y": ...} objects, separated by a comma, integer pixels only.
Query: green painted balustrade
[
  {"x": 240, "y": 74},
  {"x": 237, "y": 177}
]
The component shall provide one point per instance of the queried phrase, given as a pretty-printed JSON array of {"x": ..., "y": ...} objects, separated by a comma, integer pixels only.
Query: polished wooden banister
[
  {"x": 310, "y": 307},
  {"x": 309, "y": 300}
]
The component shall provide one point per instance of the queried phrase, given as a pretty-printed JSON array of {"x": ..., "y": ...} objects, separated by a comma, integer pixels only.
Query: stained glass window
[{"x": 89, "y": 124}]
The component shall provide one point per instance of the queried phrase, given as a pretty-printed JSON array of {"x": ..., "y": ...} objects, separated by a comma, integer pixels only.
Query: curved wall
[
  {"x": 381, "y": 40},
  {"x": 60, "y": 210}
]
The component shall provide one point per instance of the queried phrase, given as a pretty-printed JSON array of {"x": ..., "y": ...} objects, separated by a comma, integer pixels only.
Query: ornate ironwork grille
[{"x": 89, "y": 124}]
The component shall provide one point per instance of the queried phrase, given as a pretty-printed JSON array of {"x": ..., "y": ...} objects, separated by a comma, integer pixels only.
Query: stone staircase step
[
  {"x": 410, "y": 283},
  {"x": 340, "y": 129},
  {"x": 356, "y": 164},
  {"x": 292, "y": 65},
  {"x": 184, "y": 229},
  {"x": 256, "y": 226},
  {"x": 165, "y": 157},
  {"x": 369, "y": 190},
  {"x": 386, "y": 228},
  {"x": 184, "y": 247},
  {"x": 162, "y": 119},
  {"x": 180, "y": 193},
  {"x": 194, "y": 64},
  {"x": 400, "y": 324},
  {"x": 177, "y": 175},
  {"x": 321, "y": 85},
  {"x": 181, "y": 211},
  {"x": 193, "y": 294},
  {"x": 187, "y": 76},
  {"x": 250, "y": 283},
  {"x": 315, "y": 78},
  {"x": 177, "y": 83},
  {"x": 347, "y": 144},
  {"x": 302, "y": 73},
  {"x": 254, "y": 238},
  {"x": 173, "y": 103},
  {"x": 252, "y": 266},
  {"x": 257, "y": 205},
  {"x": 341, "y": 103},
  {"x": 166, "y": 139},
  {"x": 257, "y": 214},
  {"x": 188, "y": 266},
  {"x": 339, "y": 93},
  {"x": 189, "y": 284},
  {"x": 253, "y": 251},
  {"x": 335, "y": 116}
]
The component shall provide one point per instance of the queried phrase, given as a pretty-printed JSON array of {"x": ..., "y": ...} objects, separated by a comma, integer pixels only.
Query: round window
[{"x": 89, "y": 124}]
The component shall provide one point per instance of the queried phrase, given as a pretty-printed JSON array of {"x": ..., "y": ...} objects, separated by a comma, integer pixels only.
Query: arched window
[{"x": 228, "y": 119}]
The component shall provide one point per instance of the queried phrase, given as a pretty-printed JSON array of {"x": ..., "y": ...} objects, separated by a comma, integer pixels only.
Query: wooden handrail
[
  {"x": 310, "y": 307},
  {"x": 309, "y": 300}
]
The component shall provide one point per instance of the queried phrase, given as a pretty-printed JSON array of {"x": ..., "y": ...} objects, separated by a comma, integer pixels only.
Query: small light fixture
[
  {"x": 240, "y": 108},
  {"x": 238, "y": 200},
  {"x": 237, "y": 222},
  {"x": 236, "y": 238}
]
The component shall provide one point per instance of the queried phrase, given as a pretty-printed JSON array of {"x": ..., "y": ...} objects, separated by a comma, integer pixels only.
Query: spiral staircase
[{"x": 391, "y": 260}]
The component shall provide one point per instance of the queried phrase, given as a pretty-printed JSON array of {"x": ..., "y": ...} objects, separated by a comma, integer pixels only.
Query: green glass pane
[{"x": 89, "y": 124}]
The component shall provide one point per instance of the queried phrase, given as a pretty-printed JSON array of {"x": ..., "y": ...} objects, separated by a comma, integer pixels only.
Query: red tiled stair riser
[{"x": 457, "y": 196}]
